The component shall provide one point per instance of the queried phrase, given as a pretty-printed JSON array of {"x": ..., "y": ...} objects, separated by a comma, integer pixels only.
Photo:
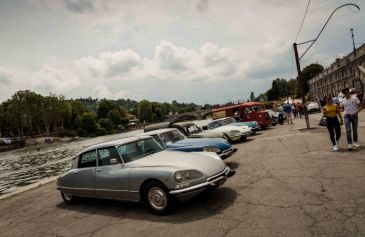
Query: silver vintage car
[{"x": 138, "y": 169}]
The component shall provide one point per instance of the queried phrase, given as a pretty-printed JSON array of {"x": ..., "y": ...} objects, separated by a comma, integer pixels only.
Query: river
[{"x": 33, "y": 163}]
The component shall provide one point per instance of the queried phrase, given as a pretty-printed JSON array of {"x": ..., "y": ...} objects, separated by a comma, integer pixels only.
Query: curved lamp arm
[{"x": 313, "y": 41}]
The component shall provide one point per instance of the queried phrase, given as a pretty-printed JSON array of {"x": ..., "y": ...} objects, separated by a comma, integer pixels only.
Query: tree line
[{"x": 27, "y": 113}]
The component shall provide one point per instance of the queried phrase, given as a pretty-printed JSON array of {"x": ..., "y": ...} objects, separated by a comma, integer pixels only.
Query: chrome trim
[
  {"x": 112, "y": 190},
  {"x": 210, "y": 181},
  {"x": 226, "y": 152}
]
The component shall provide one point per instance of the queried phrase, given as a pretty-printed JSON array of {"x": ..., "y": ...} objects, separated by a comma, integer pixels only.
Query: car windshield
[
  {"x": 216, "y": 124},
  {"x": 172, "y": 136},
  {"x": 138, "y": 149},
  {"x": 257, "y": 108},
  {"x": 193, "y": 129}
]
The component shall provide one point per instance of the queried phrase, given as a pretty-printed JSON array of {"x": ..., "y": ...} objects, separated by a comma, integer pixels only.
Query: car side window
[
  {"x": 106, "y": 154},
  {"x": 88, "y": 159}
]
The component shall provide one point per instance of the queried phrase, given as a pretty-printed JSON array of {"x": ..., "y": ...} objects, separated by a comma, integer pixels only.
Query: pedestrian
[
  {"x": 299, "y": 110},
  {"x": 281, "y": 114},
  {"x": 287, "y": 110},
  {"x": 351, "y": 107},
  {"x": 332, "y": 113}
]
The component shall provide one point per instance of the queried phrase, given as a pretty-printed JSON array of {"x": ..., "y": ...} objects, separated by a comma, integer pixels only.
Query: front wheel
[
  {"x": 226, "y": 137},
  {"x": 68, "y": 198},
  {"x": 158, "y": 199}
]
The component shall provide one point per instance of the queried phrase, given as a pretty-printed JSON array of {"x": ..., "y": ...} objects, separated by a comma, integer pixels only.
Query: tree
[
  {"x": 252, "y": 96},
  {"x": 309, "y": 72},
  {"x": 104, "y": 107},
  {"x": 144, "y": 111},
  {"x": 88, "y": 124}
]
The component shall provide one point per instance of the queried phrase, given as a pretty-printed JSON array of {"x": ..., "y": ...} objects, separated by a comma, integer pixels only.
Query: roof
[
  {"x": 157, "y": 126},
  {"x": 158, "y": 131},
  {"x": 247, "y": 104},
  {"x": 116, "y": 142}
]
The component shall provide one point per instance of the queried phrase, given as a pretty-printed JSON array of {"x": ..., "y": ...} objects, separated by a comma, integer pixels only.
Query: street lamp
[{"x": 297, "y": 59}]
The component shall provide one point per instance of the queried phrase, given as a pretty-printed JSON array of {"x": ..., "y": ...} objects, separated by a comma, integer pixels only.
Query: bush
[
  {"x": 107, "y": 124},
  {"x": 100, "y": 131}
]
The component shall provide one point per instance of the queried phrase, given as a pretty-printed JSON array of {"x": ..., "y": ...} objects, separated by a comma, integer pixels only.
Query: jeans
[
  {"x": 351, "y": 127},
  {"x": 333, "y": 126}
]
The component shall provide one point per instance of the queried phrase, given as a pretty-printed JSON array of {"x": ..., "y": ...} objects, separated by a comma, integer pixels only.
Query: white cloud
[
  {"x": 5, "y": 77},
  {"x": 110, "y": 64},
  {"x": 101, "y": 92},
  {"x": 51, "y": 79}
]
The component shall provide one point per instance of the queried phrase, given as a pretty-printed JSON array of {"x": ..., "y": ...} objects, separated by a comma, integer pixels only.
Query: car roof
[
  {"x": 159, "y": 131},
  {"x": 182, "y": 124},
  {"x": 156, "y": 126},
  {"x": 116, "y": 142}
]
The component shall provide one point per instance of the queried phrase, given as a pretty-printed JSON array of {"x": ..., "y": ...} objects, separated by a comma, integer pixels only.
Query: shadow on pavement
[
  {"x": 232, "y": 165},
  {"x": 204, "y": 206}
]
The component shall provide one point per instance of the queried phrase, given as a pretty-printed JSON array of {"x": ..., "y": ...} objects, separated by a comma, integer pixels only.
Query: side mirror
[{"x": 113, "y": 161}]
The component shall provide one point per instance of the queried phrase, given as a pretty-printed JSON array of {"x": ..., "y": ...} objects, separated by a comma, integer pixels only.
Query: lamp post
[{"x": 298, "y": 58}]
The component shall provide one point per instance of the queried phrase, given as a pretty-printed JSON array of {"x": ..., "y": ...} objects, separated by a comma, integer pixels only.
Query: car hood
[
  {"x": 228, "y": 128},
  {"x": 201, "y": 142},
  {"x": 209, "y": 164},
  {"x": 211, "y": 134}
]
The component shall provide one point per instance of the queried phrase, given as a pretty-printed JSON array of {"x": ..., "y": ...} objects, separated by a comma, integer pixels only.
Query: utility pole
[
  {"x": 353, "y": 40},
  {"x": 301, "y": 83}
]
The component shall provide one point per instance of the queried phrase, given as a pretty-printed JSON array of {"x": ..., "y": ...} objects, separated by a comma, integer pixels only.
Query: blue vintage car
[{"x": 173, "y": 139}]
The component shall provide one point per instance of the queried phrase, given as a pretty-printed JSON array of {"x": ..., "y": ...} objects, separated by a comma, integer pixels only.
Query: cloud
[
  {"x": 4, "y": 77},
  {"x": 79, "y": 6},
  {"x": 110, "y": 64},
  {"x": 101, "y": 92},
  {"x": 201, "y": 5},
  {"x": 50, "y": 79}
]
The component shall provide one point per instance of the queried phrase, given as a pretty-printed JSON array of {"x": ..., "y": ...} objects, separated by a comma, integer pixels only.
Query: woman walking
[{"x": 332, "y": 112}]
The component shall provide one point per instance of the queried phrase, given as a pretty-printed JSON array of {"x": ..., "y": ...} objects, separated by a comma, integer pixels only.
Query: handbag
[{"x": 323, "y": 121}]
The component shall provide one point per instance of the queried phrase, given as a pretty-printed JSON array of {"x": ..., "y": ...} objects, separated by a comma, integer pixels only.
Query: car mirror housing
[{"x": 113, "y": 161}]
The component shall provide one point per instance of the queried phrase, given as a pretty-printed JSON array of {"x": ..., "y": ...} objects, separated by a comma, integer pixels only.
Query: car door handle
[{"x": 98, "y": 170}]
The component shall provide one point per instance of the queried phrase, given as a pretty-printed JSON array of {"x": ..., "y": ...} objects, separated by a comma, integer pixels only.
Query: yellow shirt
[{"x": 331, "y": 110}]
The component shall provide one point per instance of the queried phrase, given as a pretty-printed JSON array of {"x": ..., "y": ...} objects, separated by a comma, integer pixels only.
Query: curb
[{"x": 29, "y": 187}]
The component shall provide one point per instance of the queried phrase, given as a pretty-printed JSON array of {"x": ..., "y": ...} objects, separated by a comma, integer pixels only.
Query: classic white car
[{"x": 230, "y": 133}]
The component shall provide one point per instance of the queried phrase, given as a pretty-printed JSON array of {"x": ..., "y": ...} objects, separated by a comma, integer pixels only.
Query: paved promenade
[{"x": 288, "y": 182}]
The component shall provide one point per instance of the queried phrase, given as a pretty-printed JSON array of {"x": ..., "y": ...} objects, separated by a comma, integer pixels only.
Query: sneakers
[
  {"x": 355, "y": 144},
  {"x": 335, "y": 147},
  {"x": 349, "y": 147}
]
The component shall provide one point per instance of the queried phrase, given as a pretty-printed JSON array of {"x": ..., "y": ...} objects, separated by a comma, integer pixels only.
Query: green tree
[
  {"x": 107, "y": 124},
  {"x": 88, "y": 124},
  {"x": 252, "y": 96},
  {"x": 309, "y": 72},
  {"x": 145, "y": 111},
  {"x": 104, "y": 107}
]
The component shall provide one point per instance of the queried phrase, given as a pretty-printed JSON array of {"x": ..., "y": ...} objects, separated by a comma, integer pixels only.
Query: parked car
[
  {"x": 138, "y": 169},
  {"x": 173, "y": 139},
  {"x": 231, "y": 133},
  {"x": 232, "y": 121},
  {"x": 313, "y": 107},
  {"x": 189, "y": 129}
]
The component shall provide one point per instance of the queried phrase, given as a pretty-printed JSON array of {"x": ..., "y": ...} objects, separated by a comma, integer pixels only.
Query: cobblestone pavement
[{"x": 288, "y": 182}]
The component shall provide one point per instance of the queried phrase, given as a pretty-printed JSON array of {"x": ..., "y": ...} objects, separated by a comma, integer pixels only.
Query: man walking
[
  {"x": 287, "y": 110},
  {"x": 351, "y": 106}
]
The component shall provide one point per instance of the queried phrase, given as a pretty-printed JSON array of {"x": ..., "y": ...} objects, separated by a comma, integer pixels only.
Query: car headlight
[
  {"x": 187, "y": 175},
  {"x": 233, "y": 132},
  {"x": 211, "y": 149}
]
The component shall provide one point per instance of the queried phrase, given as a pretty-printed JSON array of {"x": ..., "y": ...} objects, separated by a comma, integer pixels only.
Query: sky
[{"x": 199, "y": 51}]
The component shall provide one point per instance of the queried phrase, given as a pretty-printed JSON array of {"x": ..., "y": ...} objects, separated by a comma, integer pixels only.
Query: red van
[{"x": 250, "y": 111}]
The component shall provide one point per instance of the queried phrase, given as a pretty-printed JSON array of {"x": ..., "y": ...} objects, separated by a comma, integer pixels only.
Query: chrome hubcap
[
  {"x": 157, "y": 198},
  {"x": 68, "y": 196}
]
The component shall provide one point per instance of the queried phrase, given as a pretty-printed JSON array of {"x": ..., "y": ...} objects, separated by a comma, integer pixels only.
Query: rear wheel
[
  {"x": 243, "y": 138},
  {"x": 69, "y": 198},
  {"x": 158, "y": 199}
]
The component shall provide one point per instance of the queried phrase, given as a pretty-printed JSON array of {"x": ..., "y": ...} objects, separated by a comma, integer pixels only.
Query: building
[{"x": 344, "y": 72}]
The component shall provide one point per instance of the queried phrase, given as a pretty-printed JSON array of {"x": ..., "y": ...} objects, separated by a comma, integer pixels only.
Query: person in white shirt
[{"x": 351, "y": 107}]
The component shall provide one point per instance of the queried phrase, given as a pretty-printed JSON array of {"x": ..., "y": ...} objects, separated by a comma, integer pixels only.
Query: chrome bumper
[{"x": 215, "y": 180}]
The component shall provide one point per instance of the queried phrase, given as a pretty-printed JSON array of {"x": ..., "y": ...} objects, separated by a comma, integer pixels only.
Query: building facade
[{"x": 346, "y": 72}]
